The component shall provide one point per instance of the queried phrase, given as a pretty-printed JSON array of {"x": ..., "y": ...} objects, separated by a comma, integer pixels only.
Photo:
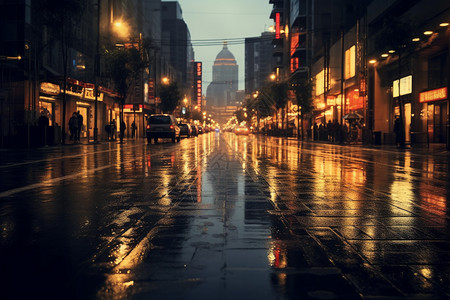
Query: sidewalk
[{"x": 431, "y": 149}]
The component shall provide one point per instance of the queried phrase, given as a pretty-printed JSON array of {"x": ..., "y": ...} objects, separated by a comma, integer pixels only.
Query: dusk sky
[{"x": 224, "y": 20}]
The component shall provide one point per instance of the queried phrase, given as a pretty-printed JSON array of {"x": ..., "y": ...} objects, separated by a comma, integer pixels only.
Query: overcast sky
[{"x": 222, "y": 20}]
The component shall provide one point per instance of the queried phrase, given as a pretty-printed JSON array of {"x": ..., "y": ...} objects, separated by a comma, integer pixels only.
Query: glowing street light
[
  {"x": 165, "y": 80},
  {"x": 121, "y": 29}
]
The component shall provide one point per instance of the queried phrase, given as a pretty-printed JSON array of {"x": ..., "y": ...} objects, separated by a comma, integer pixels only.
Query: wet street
[{"x": 222, "y": 216}]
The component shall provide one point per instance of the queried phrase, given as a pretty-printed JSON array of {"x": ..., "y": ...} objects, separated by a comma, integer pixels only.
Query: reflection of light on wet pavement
[
  {"x": 220, "y": 212},
  {"x": 434, "y": 201},
  {"x": 402, "y": 192},
  {"x": 119, "y": 253}
]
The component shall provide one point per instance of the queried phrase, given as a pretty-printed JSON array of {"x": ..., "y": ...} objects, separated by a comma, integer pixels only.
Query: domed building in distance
[{"x": 222, "y": 90}]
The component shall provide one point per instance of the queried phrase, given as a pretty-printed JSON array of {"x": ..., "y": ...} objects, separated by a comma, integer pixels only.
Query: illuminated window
[
  {"x": 319, "y": 83},
  {"x": 404, "y": 86},
  {"x": 350, "y": 62}
]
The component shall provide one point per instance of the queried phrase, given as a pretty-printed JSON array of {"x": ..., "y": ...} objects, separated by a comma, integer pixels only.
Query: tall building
[
  {"x": 176, "y": 44},
  {"x": 222, "y": 90},
  {"x": 31, "y": 64},
  {"x": 257, "y": 67}
]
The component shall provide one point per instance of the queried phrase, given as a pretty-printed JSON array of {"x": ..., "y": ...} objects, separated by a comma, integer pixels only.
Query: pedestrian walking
[
  {"x": 113, "y": 129},
  {"x": 398, "y": 131},
  {"x": 133, "y": 129},
  {"x": 80, "y": 125},
  {"x": 73, "y": 127},
  {"x": 108, "y": 131},
  {"x": 322, "y": 132},
  {"x": 43, "y": 123},
  {"x": 335, "y": 129},
  {"x": 330, "y": 131}
]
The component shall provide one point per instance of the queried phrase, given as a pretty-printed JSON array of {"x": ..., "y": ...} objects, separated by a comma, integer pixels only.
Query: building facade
[
  {"x": 176, "y": 45},
  {"x": 381, "y": 60},
  {"x": 33, "y": 67},
  {"x": 257, "y": 67},
  {"x": 408, "y": 63}
]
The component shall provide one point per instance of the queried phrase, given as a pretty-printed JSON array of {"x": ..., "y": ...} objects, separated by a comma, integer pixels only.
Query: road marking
[
  {"x": 52, "y": 181},
  {"x": 75, "y": 175},
  {"x": 63, "y": 157}
]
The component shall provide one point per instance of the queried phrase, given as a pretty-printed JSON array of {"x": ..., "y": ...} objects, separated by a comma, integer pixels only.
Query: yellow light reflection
[
  {"x": 277, "y": 256},
  {"x": 402, "y": 191},
  {"x": 165, "y": 201},
  {"x": 120, "y": 253}
]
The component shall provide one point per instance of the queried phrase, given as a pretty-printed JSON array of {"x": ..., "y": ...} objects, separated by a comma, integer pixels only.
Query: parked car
[
  {"x": 162, "y": 126},
  {"x": 194, "y": 130},
  {"x": 185, "y": 130},
  {"x": 241, "y": 130},
  {"x": 200, "y": 130}
]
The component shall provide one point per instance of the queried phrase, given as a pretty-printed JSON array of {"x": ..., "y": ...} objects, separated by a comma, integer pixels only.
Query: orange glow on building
[
  {"x": 354, "y": 101},
  {"x": 294, "y": 46}
]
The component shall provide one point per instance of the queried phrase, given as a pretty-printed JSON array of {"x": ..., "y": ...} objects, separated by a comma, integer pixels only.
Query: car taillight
[
  {"x": 148, "y": 126},
  {"x": 171, "y": 127}
]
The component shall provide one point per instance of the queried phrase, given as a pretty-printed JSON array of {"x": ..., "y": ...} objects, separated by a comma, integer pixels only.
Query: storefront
[
  {"x": 402, "y": 93},
  {"x": 87, "y": 109},
  {"x": 134, "y": 113},
  {"x": 353, "y": 101},
  {"x": 434, "y": 113},
  {"x": 48, "y": 107},
  {"x": 48, "y": 97}
]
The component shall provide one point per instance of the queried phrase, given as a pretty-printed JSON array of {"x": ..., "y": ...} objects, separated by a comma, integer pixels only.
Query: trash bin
[{"x": 377, "y": 137}]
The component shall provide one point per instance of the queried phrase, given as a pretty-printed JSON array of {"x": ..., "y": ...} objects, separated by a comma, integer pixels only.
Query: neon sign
[
  {"x": 277, "y": 26},
  {"x": 433, "y": 95}
]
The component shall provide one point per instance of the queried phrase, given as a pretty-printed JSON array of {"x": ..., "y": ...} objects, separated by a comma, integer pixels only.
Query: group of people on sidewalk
[
  {"x": 75, "y": 126},
  {"x": 336, "y": 132},
  {"x": 111, "y": 129}
]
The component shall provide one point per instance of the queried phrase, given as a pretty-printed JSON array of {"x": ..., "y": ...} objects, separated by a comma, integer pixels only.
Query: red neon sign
[
  {"x": 199, "y": 69},
  {"x": 277, "y": 26},
  {"x": 433, "y": 95},
  {"x": 199, "y": 93}
]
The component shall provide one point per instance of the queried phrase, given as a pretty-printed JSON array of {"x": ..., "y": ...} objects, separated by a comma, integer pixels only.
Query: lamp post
[{"x": 96, "y": 71}]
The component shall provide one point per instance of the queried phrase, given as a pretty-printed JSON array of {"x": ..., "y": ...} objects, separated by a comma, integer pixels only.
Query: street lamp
[
  {"x": 96, "y": 71},
  {"x": 121, "y": 29}
]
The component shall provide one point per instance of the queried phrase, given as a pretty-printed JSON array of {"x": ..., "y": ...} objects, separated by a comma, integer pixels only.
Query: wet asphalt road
[{"x": 223, "y": 217}]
